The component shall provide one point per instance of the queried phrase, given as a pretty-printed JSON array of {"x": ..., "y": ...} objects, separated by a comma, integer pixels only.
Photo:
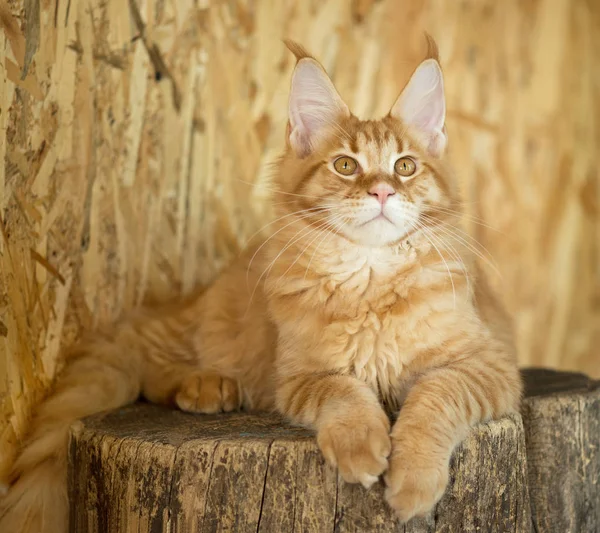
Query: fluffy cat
[{"x": 364, "y": 297}]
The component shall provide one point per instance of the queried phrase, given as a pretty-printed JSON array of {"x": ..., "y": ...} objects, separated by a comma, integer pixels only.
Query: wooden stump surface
[
  {"x": 150, "y": 469},
  {"x": 562, "y": 432}
]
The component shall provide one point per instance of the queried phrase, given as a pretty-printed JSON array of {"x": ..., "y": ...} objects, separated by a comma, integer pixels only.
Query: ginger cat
[{"x": 364, "y": 296}]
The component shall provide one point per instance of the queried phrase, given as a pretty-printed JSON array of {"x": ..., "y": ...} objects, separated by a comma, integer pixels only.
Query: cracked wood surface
[
  {"x": 147, "y": 468},
  {"x": 150, "y": 469},
  {"x": 562, "y": 434}
]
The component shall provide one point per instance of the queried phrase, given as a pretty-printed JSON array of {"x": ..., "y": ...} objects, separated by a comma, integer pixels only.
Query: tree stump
[
  {"x": 561, "y": 414},
  {"x": 150, "y": 469}
]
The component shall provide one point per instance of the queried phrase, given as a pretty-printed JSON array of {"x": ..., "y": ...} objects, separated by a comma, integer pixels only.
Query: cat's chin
[{"x": 376, "y": 233}]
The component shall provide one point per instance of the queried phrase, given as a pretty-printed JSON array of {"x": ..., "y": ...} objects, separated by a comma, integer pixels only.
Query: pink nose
[{"x": 382, "y": 191}]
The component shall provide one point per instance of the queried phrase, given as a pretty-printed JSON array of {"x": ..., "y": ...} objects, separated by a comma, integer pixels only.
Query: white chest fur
[{"x": 374, "y": 328}]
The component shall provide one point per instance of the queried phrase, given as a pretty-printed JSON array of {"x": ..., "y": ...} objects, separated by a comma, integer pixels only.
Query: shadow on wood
[{"x": 147, "y": 468}]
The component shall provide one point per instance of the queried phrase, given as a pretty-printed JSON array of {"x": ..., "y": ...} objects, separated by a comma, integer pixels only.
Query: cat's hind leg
[{"x": 204, "y": 392}]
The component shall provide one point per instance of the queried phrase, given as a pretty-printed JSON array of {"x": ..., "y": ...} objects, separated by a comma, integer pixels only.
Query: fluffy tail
[{"x": 103, "y": 373}]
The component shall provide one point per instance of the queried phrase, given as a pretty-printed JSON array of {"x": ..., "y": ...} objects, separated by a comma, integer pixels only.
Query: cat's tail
[{"x": 101, "y": 374}]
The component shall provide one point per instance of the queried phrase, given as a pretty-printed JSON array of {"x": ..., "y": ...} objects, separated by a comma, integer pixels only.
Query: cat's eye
[
  {"x": 405, "y": 166},
  {"x": 345, "y": 165}
]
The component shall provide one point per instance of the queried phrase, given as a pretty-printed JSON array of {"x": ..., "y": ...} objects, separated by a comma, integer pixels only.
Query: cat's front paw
[
  {"x": 414, "y": 485},
  {"x": 358, "y": 445}
]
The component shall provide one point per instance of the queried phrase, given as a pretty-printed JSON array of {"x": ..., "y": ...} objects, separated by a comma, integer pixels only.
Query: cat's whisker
[
  {"x": 459, "y": 215},
  {"x": 327, "y": 223},
  {"x": 452, "y": 231},
  {"x": 472, "y": 250},
  {"x": 431, "y": 240},
  {"x": 296, "y": 219},
  {"x": 269, "y": 267},
  {"x": 290, "y": 241},
  {"x": 257, "y": 284},
  {"x": 335, "y": 227},
  {"x": 439, "y": 221},
  {"x": 455, "y": 255},
  {"x": 464, "y": 216},
  {"x": 450, "y": 210},
  {"x": 312, "y": 209},
  {"x": 464, "y": 237},
  {"x": 470, "y": 237},
  {"x": 289, "y": 244}
]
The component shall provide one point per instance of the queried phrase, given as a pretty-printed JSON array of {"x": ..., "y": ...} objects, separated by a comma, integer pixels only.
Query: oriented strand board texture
[{"x": 137, "y": 135}]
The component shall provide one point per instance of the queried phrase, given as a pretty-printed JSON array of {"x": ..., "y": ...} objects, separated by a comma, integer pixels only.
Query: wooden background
[{"x": 136, "y": 138}]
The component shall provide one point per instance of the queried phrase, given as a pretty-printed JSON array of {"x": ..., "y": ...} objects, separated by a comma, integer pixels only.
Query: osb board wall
[{"x": 137, "y": 138}]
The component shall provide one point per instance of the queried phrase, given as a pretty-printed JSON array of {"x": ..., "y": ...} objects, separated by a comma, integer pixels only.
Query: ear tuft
[
  {"x": 432, "y": 48},
  {"x": 422, "y": 105},
  {"x": 297, "y": 49}
]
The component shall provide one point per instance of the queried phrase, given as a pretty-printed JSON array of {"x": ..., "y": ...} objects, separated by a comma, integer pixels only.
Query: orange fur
[{"x": 326, "y": 321}]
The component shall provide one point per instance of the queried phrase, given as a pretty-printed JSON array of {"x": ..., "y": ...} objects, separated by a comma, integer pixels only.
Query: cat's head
[{"x": 373, "y": 181}]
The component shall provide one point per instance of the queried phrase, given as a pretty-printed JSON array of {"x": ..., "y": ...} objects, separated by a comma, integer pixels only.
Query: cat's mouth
[{"x": 380, "y": 216}]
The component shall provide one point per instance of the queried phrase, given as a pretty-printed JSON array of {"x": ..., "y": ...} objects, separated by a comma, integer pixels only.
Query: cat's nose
[{"x": 382, "y": 191}]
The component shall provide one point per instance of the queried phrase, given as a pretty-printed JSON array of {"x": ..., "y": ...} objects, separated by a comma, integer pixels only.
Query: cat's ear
[
  {"x": 314, "y": 104},
  {"x": 422, "y": 106}
]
